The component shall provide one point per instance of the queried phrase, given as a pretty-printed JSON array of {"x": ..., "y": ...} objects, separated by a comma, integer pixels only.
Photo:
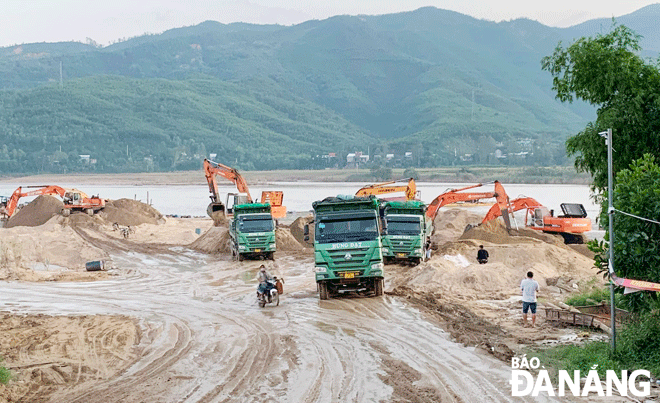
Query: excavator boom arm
[
  {"x": 211, "y": 169},
  {"x": 516, "y": 205},
  {"x": 382, "y": 188},
  {"x": 456, "y": 195},
  {"x": 41, "y": 190}
]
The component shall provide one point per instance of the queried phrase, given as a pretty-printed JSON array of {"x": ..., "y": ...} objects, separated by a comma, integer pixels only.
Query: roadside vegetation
[
  {"x": 607, "y": 72},
  {"x": 594, "y": 296},
  {"x": 5, "y": 375},
  {"x": 638, "y": 347}
]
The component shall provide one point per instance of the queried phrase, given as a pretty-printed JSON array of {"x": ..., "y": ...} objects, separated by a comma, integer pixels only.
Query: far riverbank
[{"x": 531, "y": 175}]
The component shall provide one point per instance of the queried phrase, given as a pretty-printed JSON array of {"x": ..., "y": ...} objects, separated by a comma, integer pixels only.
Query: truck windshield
[
  {"x": 261, "y": 224},
  {"x": 346, "y": 230},
  {"x": 400, "y": 226}
]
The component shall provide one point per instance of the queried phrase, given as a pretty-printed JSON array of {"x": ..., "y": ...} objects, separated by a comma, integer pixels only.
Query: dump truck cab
[
  {"x": 252, "y": 231},
  {"x": 405, "y": 231},
  {"x": 347, "y": 246}
]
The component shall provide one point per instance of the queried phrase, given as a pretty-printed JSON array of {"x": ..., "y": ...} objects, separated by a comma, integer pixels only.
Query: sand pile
[
  {"x": 37, "y": 253},
  {"x": 130, "y": 212},
  {"x": 495, "y": 232},
  {"x": 215, "y": 240},
  {"x": 36, "y": 213},
  {"x": 297, "y": 230},
  {"x": 453, "y": 270},
  {"x": 285, "y": 240},
  {"x": 449, "y": 224}
]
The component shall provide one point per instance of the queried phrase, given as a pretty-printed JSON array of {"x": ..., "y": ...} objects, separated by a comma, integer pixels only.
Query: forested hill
[{"x": 431, "y": 81}]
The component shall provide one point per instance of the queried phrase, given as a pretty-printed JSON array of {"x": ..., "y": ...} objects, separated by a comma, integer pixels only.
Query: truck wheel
[
  {"x": 271, "y": 256},
  {"x": 66, "y": 212},
  {"x": 240, "y": 257},
  {"x": 378, "y": 287},
  {"x": 323, "y": 291}
]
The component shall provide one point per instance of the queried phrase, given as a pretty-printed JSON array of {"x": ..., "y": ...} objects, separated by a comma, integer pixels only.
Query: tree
[
  {"x": 607, "y": 72},
  {"x": 411, "y": 173},
  {"x": 636, "y": 242},
  {"x": 381, "y": 173}
]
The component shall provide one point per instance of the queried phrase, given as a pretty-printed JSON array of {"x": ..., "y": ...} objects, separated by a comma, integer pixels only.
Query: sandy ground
[
  {"x": 447, "y": 174},
  {"x": 50, "y": 353},
  {"x": 442, "y": 333}
]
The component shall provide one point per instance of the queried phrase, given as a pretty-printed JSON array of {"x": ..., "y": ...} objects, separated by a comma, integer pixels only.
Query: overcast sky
[{"x": 26, "y": 21}]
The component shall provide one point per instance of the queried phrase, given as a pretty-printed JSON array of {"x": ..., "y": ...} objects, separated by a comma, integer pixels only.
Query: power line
[{"x": 638, "y": 217}]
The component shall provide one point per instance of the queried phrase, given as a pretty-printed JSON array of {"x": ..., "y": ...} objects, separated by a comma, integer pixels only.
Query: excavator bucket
[{"x": 217, "y": 212}]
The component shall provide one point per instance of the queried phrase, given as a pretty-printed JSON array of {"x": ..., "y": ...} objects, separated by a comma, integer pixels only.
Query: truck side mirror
[{"x": 306, "y": 230}]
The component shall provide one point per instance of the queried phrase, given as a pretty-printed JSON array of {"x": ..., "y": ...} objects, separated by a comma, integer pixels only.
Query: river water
[{"x": 299, "y": 196}]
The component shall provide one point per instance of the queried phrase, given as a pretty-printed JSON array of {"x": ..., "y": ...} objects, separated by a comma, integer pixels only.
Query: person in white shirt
[{"x": 529, "y": 288}]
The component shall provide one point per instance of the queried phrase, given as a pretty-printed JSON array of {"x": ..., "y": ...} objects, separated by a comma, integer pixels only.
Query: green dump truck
[
  {"x": 405, "y": 231},
  {"x": 252, "y": 231},
  {"x": 347, "y": 247}
]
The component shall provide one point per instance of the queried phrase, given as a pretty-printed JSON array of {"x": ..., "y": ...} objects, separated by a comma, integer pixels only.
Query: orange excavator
[
  {"x": 377, "y": 189},
  {"x": 570, "y": 226},
  {"x": 219, "y": 210},
  {"x": 74, "y": 200},
  {"x": 459, "y": 195}
]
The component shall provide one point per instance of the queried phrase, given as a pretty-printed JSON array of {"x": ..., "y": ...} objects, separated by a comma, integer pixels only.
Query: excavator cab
[
  {"x": 234, "y": 199},
  {"x": 537, "y": 215}
]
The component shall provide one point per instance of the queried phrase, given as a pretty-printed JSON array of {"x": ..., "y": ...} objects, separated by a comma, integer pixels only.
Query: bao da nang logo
[{"x": 524, "y": 382}]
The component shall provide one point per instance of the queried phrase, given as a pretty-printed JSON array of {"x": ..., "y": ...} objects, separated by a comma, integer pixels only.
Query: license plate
[
  {"x": 257, "y": 250},
  {"x": 401, "y": 254},
  {"x": 349, "y": 275}
]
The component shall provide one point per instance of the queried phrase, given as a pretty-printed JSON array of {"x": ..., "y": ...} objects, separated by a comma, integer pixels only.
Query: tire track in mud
[{"x": 206, "y": 340}]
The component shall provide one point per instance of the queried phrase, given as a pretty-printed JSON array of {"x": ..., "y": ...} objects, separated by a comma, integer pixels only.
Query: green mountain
[
  {"x": 130, "y": 124},
  {"x": 434, "y": 81}
]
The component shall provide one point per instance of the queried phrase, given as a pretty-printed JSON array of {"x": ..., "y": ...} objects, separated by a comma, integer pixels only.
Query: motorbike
[{"x": 272, "y": 294}]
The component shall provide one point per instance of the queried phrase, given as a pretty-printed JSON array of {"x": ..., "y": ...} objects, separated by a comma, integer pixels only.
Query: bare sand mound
[
  {"x": 495, "y": 232},
  {"x": 454, "y": 270},
  {"x": 215, "y": 240},
  {"x": 50, "y": 355},
  {"x": 285, "y": 240},
  {"x": 297, "y": 230},
  {"x": 48, "y": 252},
  {"x": 36, "y": 213},
  {"x": 449, "y": 224},
  {"x": 130, "y": 212}
]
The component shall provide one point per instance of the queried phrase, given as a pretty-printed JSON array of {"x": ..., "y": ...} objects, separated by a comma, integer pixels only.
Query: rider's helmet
[{"x": 262, "y": 268}]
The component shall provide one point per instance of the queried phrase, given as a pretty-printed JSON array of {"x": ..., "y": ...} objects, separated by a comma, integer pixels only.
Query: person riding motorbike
[{"x": 266, "y": 281}]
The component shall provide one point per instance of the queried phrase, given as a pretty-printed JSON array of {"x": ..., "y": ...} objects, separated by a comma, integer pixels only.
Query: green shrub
[
  {"x": 5, "y": 375},
  {"x": 638, "y": 343}
]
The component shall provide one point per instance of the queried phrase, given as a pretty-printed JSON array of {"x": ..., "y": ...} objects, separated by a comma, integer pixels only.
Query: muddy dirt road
[{"x": 205, "y": 339}]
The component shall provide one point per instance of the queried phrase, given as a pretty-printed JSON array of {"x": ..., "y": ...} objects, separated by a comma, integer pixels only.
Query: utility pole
[{"x": 610, "y": 215}]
